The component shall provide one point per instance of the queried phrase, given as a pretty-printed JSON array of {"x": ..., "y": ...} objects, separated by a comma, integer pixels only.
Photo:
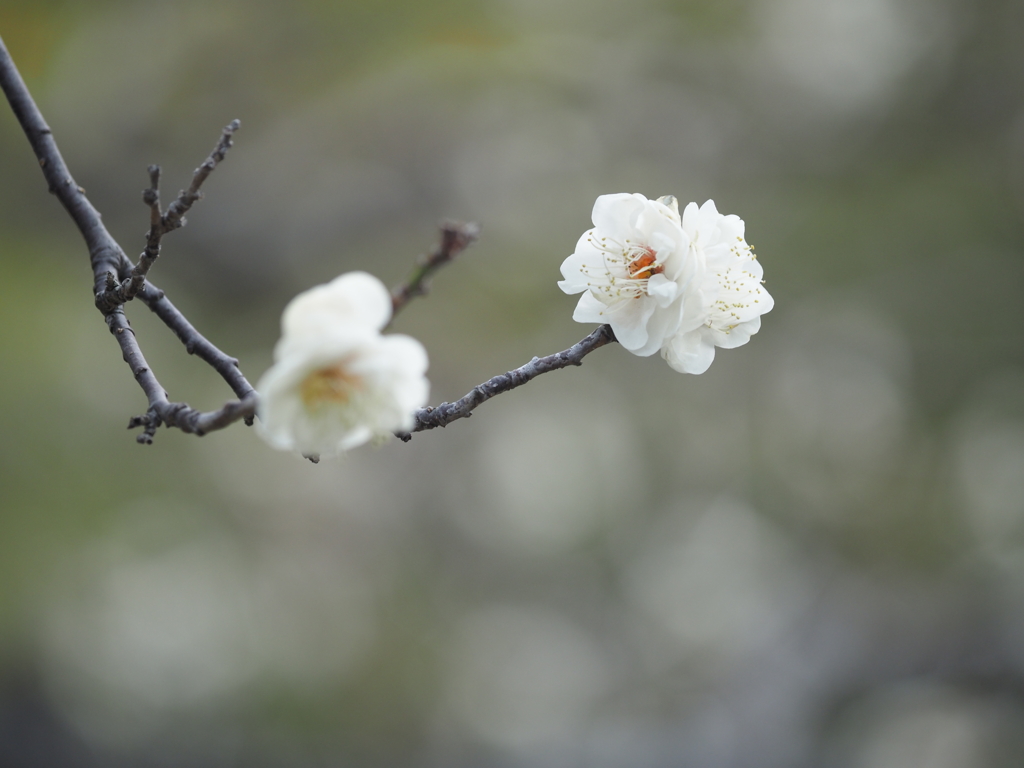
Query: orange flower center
[{"x": 644, "y": 264}]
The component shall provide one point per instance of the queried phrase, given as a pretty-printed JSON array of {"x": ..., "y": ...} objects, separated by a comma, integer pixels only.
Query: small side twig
[
  {"x": 446, "y": 413},
  {"x": 162, "y": 223},
  {"x": 455, "y": 238}
]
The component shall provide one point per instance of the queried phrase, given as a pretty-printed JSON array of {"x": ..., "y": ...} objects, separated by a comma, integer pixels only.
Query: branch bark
[{"x": 446, "y": 413}]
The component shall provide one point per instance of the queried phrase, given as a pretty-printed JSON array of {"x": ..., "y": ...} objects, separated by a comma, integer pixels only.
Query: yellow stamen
[{"x": 329, "y": 385}]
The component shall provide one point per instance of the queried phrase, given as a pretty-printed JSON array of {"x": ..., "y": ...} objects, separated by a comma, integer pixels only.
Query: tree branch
[
  {"x": 110, "y": 263},
  {"x": 455, "y": 238},
  {"x": 445, "y": 413}
]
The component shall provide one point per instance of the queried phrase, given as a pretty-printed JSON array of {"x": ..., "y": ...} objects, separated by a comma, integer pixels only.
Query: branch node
[{"x": 150, "y": 421}]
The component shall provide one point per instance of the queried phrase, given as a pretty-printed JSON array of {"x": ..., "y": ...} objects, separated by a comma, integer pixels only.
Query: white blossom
[
  {"x": 681, "y": 285},
  {"x": 729, "y": 293},
  {"x": 336, "y": 381},
  {"x": 634, "y": 269}
]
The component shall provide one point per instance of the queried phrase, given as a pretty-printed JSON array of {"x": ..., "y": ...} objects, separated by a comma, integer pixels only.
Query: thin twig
[
  {"x": 455, "y": 238},
  {"x": 446, "y": 413},
  {"x": 162, "y": 223}
]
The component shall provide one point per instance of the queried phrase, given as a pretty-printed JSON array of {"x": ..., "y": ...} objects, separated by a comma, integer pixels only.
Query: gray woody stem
[
  {"x": 445, "y": 413},
  {"x": 109, "y": 264},
  {"x": 455, "y": 238}
]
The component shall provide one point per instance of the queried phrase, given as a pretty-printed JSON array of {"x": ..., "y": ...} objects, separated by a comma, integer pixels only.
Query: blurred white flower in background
[
  {"x": 723, "y": 584},
  {"x": 336, "y": 381},
  {"x": 523, "y": 676},
  {"x": 679, "y": 285}
]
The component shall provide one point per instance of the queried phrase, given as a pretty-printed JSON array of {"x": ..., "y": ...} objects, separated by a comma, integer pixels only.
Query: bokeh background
[{"x": 811, "y": 555}]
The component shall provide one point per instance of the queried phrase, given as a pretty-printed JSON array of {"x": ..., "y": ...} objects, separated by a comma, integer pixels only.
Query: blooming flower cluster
[
  {"x": 681, "y": 285},
  {"x": 336, "y": 381}
]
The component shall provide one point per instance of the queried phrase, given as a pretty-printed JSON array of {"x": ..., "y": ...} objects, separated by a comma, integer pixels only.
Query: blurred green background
[{"x": 811, "y": 555}]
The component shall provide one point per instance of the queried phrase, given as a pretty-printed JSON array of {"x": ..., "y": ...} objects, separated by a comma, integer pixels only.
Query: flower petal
[
  {"x": 689, "y": 353},
  {"x": 590, "y": 310},
  {"x": 662, "y": 289},
  {"x": 355, "y": 298},
  {"x": 616, "y": 215}
]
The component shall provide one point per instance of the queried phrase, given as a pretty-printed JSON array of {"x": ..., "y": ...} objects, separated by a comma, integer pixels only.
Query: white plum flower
[
  {"x": 681, "y": 285},
  {"x": 634, "y": 269},
  {"x": 336, "y": 381},
  {"x": 726, "y": 303}
]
